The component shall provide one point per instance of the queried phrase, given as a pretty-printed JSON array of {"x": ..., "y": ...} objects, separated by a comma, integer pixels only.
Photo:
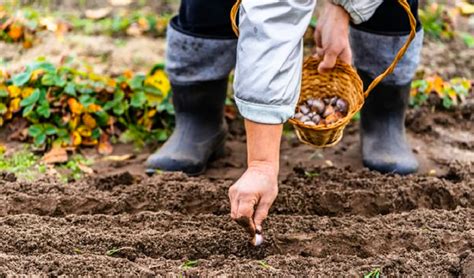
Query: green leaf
[
  {"x": 96, "y": 133},
  {"x": 59, "y": 81},
  {"x": 102, "y": 118},
  {"x": 468, "y": 39},
  {"x": 118, "y": 97},
  {"x": 86, "y": 100},
  {"x": 50, "y": 129},
  {"x": 447, "y": 102},
  {"x": 49, "y": 79},
  {"x": 43, "y": 109},
  {"x": 32, "y": 99},
  {"x": 3, "y": 108},
  {"x": 35, "y": 130},
  {"x": 137, "y": 82},
  {"x": 62, "y": 133},
  {"x": 46, "y": 66},
  {"x": 28, "y": 110},
  {"x": 138, "y": 99},
  {"x": 162, "y": 135},
  {"x": 22, "y": 78},
  {"x": 3, "y": 93},
  {"x": 120, "y": 108},
  {"x": 40, "y": 139},
  {"x": 153, "y": 91},
  {"x": 70, "y": 89}
]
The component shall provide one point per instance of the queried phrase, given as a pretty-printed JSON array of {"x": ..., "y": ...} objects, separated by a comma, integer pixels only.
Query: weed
[
  {"x": 264, "y": 264},
  {"x": 75, "y": 168},
  {"x": 309, "y": 174},
  {"x": 23, "y": 164},
  {"x": 189, "y": 264},
  {"x": 447, "y": 93},
  {"x": 373, "y": 274},
  {"x": 112, "y": 251}
]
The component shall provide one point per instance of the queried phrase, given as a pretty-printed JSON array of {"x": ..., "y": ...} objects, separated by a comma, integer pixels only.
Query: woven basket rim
[{"x": 342, "y": 66}]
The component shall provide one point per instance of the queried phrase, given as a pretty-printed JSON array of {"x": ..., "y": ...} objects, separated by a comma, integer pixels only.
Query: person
[{"x": 202, "y": 49}]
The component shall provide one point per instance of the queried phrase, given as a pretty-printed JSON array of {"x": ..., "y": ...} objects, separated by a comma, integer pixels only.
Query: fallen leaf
[
  {"x": 85, "y": 169},
  {"x": 55, "y": 155},
  {"x": 118, "y": 157},
  {"x": 75, "y": 106},
  {"x": 15, "y": 32},
  {"x": 89, "y": 121},
  {"x": 466, "y": 8},
  {"x": 120, "y": 2},
  {"x": 105, "y": 147},
  {"x": 98, "y": 13}
]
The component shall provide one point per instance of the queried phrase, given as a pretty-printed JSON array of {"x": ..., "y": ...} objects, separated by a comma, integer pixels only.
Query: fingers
[
  {"x": 329, "y": 61},
  {"x": 245, "y": 214},
  {"x": 261, "y": 214},
  {"x": 346, "y": 56},
  {"x": 242, "y": 210},
  {"x": 317, "y": 37},
  {"x": 234, "y": 203}
]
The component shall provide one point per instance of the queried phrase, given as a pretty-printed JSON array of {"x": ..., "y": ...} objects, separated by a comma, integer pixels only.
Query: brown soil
[
  {"x": 340, "y": 222},
  {"x": 332, "y": 217}
]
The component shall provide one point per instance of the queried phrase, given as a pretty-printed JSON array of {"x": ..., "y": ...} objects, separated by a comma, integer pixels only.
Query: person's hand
[
  {"x": 252, "y": 196},
  {"x": 332, "y": 37}
]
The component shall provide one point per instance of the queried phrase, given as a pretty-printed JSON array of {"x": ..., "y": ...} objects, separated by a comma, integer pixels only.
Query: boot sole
[{"x": 218, "y": 153}]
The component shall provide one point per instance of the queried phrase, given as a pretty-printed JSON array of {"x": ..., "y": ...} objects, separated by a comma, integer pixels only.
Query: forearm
[{"x": 263, "y": 145}]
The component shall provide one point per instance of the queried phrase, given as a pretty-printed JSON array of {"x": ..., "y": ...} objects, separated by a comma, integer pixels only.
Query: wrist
[
  {"x": 265, "y": 167},
  {"x": 338, "y": 10}
]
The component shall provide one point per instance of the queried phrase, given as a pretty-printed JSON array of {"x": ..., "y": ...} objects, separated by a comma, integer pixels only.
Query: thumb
[
  {"x": 260, "y": 215},
  {"x": 329, "y": 61}
]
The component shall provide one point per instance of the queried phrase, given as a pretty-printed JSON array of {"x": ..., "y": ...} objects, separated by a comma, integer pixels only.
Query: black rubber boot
[
  {"x": 384, "y": 144},
  {"x": 200, "y": 131}
]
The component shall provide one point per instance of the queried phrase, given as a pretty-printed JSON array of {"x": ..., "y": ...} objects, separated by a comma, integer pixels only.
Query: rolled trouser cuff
[
  {"x": 193, "y": 59},
  {"x": 360, "y": 11},
  {"x": 373, "y": 54},
  {"x": 264, "y": 113}
]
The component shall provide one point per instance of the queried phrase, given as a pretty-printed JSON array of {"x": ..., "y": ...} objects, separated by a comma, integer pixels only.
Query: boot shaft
[{"x": 201, "y": 101}]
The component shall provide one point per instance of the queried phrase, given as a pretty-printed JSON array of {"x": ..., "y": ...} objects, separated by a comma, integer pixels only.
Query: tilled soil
[
  {"x": 327, "y": 221},
  {"x": 332, "y": 222}
]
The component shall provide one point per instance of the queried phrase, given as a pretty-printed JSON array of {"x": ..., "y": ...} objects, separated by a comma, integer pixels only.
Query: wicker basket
[{"x": 342, "y": 81}]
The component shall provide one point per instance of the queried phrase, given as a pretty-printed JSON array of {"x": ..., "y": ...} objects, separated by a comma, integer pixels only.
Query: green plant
[
  {"x": 23, "y": 163},
  {"x": 189, "y": 264},
  {"x": 310, "y": 174},
  {"x": 264, "y": 264},
  {"x": 448, "y": 92},
  {"x": 112, "y": 251},
  {"x": 74, "y": 168},
  {"x": 69, "y": 108},
  {"x": 373, "y": 274},
  {"x": 437, "y": 21}
]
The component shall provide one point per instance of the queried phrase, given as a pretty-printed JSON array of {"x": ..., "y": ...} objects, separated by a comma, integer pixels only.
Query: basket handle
[
  {"x": 389, "y": 70},
  {"x": 400, "y": 53},
  {"x": 233, "y": 17}
]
